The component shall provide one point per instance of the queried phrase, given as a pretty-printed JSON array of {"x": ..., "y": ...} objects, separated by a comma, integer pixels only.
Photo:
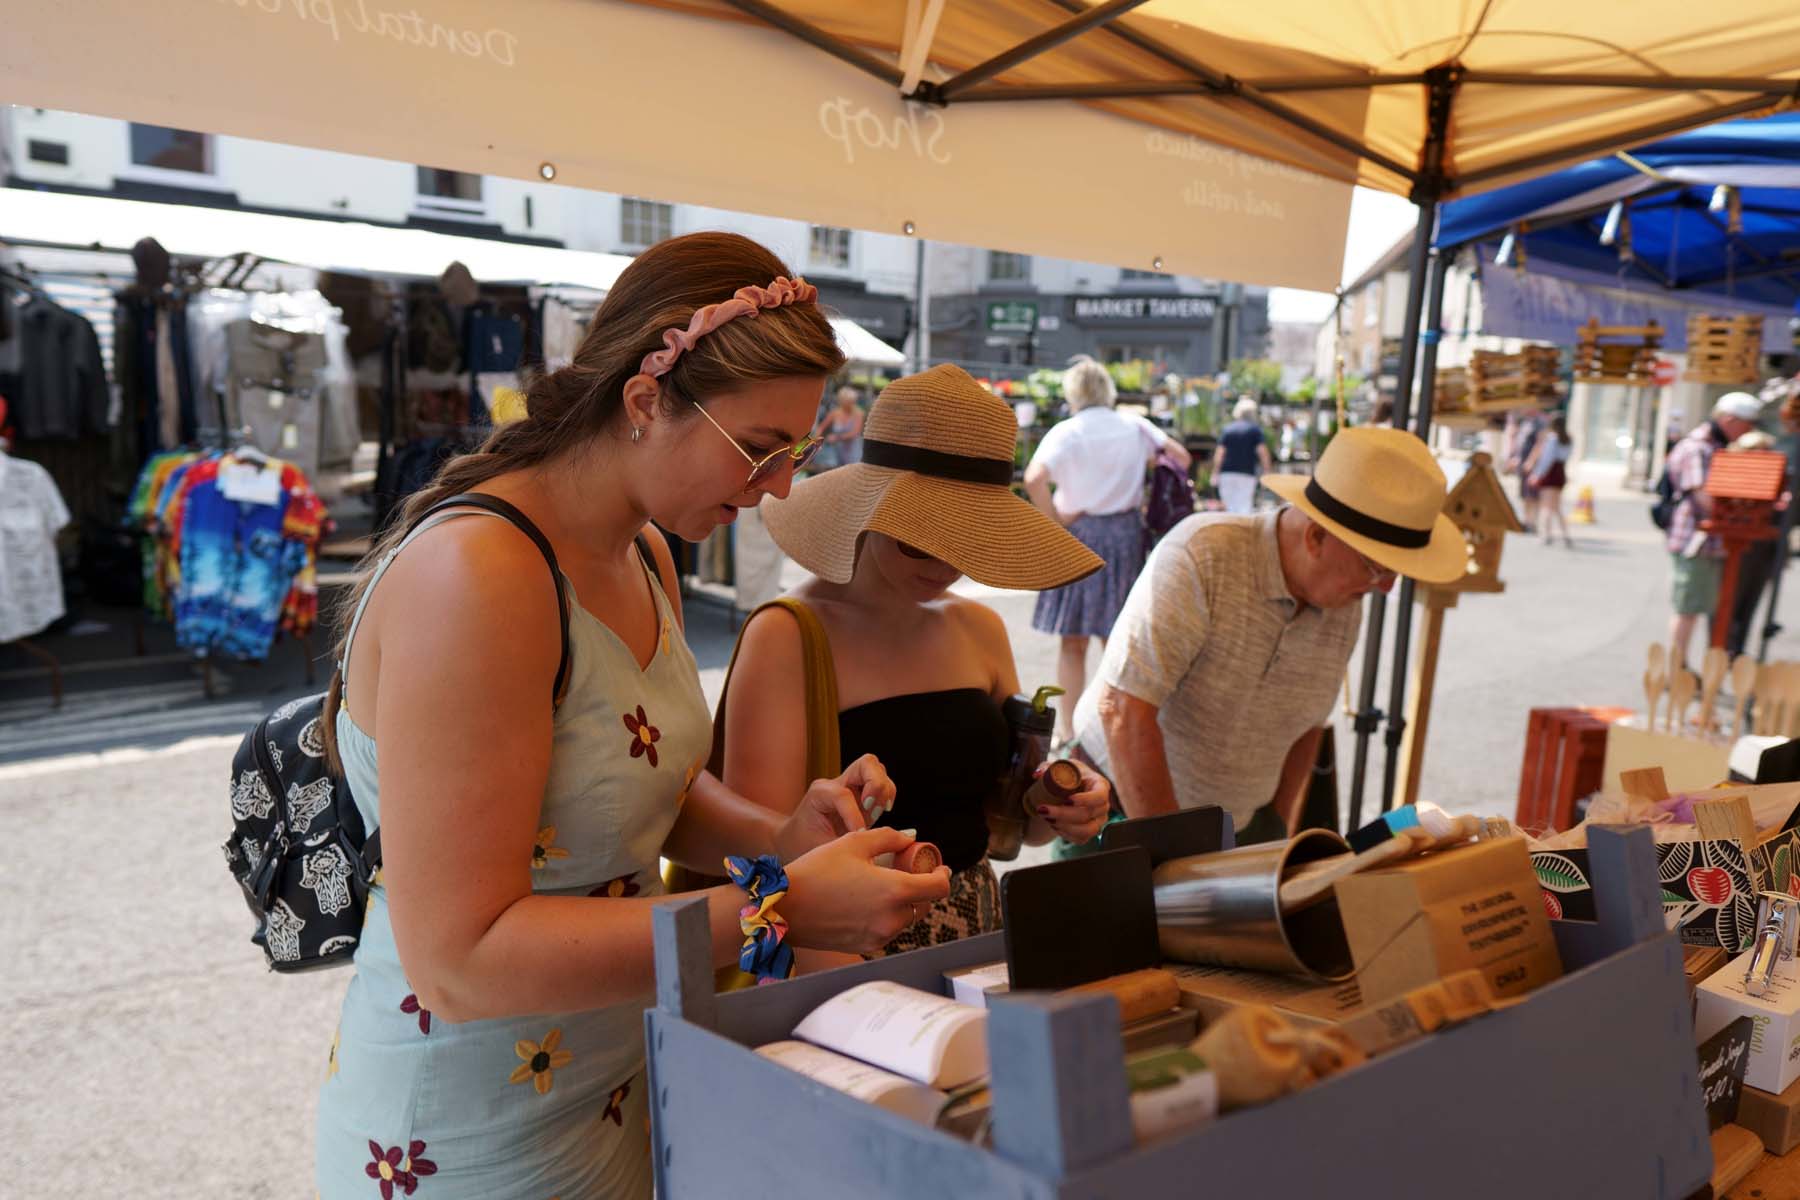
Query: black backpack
[
  {"x": 1170, "y": 500},
  {"x": 298, "y": 849},
  {"x": 1662, "y": 512}
]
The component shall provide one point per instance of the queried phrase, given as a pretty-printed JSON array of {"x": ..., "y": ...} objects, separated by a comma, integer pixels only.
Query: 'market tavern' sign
[{"x": 1174, "y": 309}]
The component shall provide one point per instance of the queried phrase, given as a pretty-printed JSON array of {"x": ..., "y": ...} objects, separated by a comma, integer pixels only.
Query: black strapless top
[{"x": 944, "y": 751}]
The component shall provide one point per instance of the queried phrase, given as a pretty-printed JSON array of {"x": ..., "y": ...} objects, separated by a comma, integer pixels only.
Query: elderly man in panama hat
[{"x": 1229, "y": 653}]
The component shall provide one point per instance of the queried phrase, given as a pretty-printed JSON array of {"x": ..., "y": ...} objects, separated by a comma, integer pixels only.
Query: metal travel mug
[{"x": 1225, "y": 909}]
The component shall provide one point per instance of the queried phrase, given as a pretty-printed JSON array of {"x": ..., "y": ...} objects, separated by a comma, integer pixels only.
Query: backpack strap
[{"x": 503, "y": 508}]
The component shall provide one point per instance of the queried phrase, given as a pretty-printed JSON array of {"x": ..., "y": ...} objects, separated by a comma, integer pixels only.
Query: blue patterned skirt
[{"x": 1088, "y": 607}]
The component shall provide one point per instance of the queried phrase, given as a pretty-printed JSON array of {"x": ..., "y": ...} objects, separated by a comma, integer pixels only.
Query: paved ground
[{"x": 145, "y": 1052}]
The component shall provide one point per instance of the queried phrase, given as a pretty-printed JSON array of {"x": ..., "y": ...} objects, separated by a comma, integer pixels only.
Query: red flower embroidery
[
  {"x": 411, "y": 1005},
  {"x": 644, "y": 735},
  {"x": 396, "y": 1168},
  {"x": 615, "y": 1111},
  {"x": 624, "y": 885}
]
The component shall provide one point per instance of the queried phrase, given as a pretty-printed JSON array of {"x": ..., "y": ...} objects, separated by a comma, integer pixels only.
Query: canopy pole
[
  {"x": 1432, "y": 184},
  {"x": 921, "y": 310},
  {"x": 1075, "y": 26},
  {"x": 1368, "y": 717},
  {"x": 1396, "y": 730},
  {"x": 1248, "y": 93}
]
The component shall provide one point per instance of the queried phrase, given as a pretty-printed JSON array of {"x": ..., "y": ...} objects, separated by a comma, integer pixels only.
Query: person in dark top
[
  {"x": 916, "y": 674},
  {"x": 1242, "y": 455}
]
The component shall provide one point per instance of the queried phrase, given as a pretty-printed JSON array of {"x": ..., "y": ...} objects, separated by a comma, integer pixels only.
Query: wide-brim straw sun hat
[
  {"x": 936, "y": 474},
  {"x": 1381, "y": 493}
]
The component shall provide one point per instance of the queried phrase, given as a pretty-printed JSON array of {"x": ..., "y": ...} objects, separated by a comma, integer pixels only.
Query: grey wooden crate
[{"x": 1589, "y": 1088}]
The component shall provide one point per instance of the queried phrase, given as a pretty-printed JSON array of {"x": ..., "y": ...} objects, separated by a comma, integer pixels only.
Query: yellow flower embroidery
[
  {"x": 539, "y": 1061},
  {"x": 687, "y": 785},
  {"x": 543, "y": 850},
  {"x": 665, "y": 635},
  {"x": 331, "y": 1063}
]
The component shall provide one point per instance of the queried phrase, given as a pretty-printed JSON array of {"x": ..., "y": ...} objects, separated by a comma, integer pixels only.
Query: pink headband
[{"x": 745, "y": 302}]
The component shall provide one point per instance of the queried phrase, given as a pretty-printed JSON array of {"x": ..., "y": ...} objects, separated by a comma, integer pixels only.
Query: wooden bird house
[{"x": 1479, "y": 506}]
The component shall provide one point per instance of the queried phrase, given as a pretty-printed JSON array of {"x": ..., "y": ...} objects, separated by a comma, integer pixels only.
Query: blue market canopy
[{"x": 1679, "y": 230}]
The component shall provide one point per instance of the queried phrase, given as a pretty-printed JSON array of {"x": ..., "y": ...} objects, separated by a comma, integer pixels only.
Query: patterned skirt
[
  {"x": 972, "y": 907},
  {"x": 1088, "y": 607}
]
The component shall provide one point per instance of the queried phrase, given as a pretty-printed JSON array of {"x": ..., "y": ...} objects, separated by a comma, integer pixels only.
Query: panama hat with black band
[
  {"x": 1381, "y": 493},
  {"x": 936, "y": 474}
]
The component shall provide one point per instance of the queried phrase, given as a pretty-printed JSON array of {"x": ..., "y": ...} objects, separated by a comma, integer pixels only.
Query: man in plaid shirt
[{"x": 1696, "y": 557}]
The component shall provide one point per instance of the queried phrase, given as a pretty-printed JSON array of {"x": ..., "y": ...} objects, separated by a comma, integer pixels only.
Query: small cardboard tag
[{"x": 247, "y": 484}]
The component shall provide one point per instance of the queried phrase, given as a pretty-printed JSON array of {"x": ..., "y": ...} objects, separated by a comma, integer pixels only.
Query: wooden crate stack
[
  {"x": 1499, "y": 382},
  {"x": 1622, "y": 354},
  {"x": 1450, "y": 391},
  {"x": 1724, "y": 350}
]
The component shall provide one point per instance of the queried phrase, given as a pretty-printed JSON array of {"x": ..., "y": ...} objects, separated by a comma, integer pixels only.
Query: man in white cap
[
  {"x": 1697, "y": 558},
  {"x": 1228, "y": 656}
]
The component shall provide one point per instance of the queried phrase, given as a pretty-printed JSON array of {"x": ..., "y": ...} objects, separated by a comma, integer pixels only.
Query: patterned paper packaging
[{"x": 1709, "y": 888}]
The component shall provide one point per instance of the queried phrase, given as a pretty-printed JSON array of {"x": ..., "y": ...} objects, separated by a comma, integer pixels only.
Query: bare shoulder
[
  {"x": 979, "y": 622},
  {"x": 473, "y": 573}
]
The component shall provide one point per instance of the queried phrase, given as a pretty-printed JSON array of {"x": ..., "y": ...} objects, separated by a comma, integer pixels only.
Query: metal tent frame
[{"x": 1429, "y": 181}]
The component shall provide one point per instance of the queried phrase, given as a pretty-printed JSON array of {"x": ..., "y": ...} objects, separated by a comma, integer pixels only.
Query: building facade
[{"x": 996, "y": 313}]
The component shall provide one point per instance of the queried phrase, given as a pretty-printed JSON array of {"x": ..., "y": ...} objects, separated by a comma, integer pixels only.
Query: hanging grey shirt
[{"x": 1237, "y": 669}]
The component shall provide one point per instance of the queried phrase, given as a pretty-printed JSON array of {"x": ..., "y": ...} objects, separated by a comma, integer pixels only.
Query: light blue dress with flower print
[{"x": 534, "y": 1107}]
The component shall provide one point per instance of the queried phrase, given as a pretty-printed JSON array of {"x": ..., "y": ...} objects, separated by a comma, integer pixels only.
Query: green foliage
[
  {"x": 1256, "y": 377},
  {"x": 1138, "y": 375}
]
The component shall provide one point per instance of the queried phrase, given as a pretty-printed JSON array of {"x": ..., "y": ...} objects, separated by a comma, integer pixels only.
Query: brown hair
[{"x": 573, "y": 405}]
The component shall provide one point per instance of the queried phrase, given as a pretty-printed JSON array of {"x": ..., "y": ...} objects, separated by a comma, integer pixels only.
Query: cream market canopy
[{"x": 1411, "y": 96}]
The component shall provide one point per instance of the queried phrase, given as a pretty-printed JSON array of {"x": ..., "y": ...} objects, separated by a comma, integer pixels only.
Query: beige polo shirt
[{"x": 1237, "y": 669}]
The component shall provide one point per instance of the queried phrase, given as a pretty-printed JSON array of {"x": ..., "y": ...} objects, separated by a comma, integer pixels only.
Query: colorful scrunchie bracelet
[{"x": 766, "y": 956}]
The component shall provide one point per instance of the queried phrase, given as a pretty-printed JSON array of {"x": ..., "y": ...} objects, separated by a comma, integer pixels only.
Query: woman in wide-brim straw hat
[{"x": 875, "y": 655}]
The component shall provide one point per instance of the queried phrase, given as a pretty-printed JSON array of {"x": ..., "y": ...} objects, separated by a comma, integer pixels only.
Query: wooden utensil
[
  {"x": 1743, "y": 678},
  {"x": 1656, "y": 681},
  {"x": 1682, "y": 686},
  {"x": 1787, "y": 687},
  {"x": 1764, "y": 689},
  {"x": 1712, "y": 678}
]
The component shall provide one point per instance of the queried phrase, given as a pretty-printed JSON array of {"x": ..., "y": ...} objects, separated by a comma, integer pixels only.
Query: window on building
[
  {"x": 54, "y": 153},
  {"x": 1134, "y": 273},
  {"x": 171, "y": 149},
  {"x": 1008, "y": 268},
  {"x": 645, "y": 222},
  {"x": 830, "y": 247},
  {"x": 439, "y": 184}
]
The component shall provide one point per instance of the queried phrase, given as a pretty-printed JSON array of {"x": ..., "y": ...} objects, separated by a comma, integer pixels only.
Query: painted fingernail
[{"x": 911, "y": 833}]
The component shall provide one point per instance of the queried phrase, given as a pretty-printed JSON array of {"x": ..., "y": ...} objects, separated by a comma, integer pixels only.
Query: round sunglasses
[{"x": 764, "y": 469}]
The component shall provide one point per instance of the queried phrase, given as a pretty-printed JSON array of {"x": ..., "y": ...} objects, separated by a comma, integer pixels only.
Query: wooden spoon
[
  {"x": 1764, "y": 691},
  {"x": 1682, "y": 686},
  {"x": 1743, "y": 678},
  {"x": 1712, "y": 678},
  {"x": 1656, "y": 680}
]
